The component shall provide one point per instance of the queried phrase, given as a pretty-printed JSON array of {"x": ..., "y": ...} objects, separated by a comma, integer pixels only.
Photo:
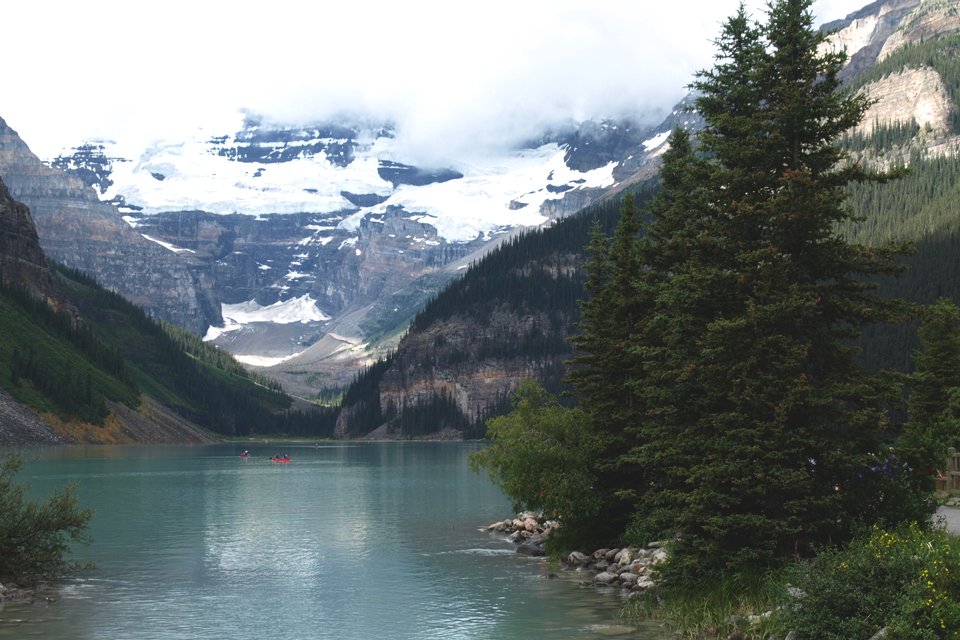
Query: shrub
[
  {"x": 543, "y": 456},
  {"x": 906, "y": 580},
  {"x": 35, "y": 537}
]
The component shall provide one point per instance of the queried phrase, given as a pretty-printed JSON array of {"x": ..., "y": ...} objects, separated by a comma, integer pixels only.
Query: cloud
[{"x": 454, "y": 77}]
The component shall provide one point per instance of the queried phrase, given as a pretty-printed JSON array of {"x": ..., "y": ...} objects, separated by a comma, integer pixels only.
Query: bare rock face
[
  {"x": 930, "y": 19},
  {"x": 465, "y": 361},
  {"x": 76, "y": 229},
  {"x": 919, "y": 94},
  {"x": 864, "y": 33},
  {"x": 21, "y": 258}
]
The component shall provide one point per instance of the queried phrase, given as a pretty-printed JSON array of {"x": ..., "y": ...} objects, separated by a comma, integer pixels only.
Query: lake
[{"x": 347, "y": 541}]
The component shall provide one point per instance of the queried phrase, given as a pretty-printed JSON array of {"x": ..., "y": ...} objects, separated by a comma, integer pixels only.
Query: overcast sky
[{"x": 452, "y": 75}]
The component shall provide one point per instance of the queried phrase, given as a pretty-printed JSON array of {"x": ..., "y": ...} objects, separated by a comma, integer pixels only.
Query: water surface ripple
[{"x": 348, "y": 541}]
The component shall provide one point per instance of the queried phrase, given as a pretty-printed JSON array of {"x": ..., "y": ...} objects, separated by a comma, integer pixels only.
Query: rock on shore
[{"x": 628, "y": 568}]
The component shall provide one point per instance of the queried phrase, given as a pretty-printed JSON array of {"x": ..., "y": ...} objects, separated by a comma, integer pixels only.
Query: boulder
[
  {"x": 644, "y": 583},
  {"x": 577, "y": 558},
  {"x": 604, "y": 578},
  {"x": 629, "y": 579},
  {"x": 531, "y": 548},
  {"x": 625, "y": 555}
]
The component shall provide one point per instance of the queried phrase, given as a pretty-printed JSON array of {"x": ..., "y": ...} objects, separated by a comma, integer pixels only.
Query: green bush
[
  {"x": 543, "y": 456},
  {"x": 35, "y": 536},
  {"x": 906, "y": 580}
]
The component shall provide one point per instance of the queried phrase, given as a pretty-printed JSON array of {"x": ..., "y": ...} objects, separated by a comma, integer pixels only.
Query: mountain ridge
[{"x": 916, "y": 107}]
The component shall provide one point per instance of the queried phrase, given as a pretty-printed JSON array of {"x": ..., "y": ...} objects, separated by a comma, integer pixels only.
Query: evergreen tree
[
  {"x": 603, "y": 374},
  {"x": 933, "y": 407},
  {"x": 762, "y": 429},
  {"x": 937, "y": 364}
]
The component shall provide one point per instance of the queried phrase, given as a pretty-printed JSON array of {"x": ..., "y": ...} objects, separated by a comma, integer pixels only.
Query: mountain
[
  {"x": 22, "y": 261},
  {"x": 466, "y": 351},
  {"x": 507, "y": 319},
  {"x": 82, "y": 364},
  {"x": 78, "y": 230},
  {"x": 308, "y": 249}
]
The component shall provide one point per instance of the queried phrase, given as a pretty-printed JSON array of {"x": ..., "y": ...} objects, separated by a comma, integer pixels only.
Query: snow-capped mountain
[{"x": 327, "y": 234}]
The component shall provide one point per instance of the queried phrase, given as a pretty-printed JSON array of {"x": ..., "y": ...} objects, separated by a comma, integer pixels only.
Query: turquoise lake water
[{"x": 348, "y": 541}]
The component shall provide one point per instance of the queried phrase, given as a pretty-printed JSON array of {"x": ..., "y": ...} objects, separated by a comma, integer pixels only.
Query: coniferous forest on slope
[
  {"x": 71, "y": 368},
  {"x": 919, "y": 208},
  {"x": 725, "y": 409}
]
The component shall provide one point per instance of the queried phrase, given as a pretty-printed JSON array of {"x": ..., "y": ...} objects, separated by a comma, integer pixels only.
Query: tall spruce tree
[
  {"x": 932, "y": 425},
  {"x": 762, "y": 432},
  {"x": 602, "y": 374},
  {"x": 937, "y": 364}
]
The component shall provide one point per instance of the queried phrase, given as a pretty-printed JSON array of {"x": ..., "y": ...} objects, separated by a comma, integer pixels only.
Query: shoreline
[{"x": 627, "y": 569}]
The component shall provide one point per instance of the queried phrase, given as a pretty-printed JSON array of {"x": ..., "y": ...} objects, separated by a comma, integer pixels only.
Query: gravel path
[{"x": 951, "y": 517}]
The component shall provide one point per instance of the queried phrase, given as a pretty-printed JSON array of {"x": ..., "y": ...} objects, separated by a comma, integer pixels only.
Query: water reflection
[{"x": 352, "y": 542}]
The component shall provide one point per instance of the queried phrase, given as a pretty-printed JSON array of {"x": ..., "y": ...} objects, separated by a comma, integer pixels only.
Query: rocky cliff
[
  {"x": 317, "y": 245},
  {"x": 928, "y": 20},
  {"x": 507, "y": 319},
  {"x": 22, "y": 261},
  {"x": 78, "y": 230}
]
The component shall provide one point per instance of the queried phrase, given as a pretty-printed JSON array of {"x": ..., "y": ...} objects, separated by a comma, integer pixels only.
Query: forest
[
  {"x": 110, "y": 350},
  {"x": 724, "y": 406}
]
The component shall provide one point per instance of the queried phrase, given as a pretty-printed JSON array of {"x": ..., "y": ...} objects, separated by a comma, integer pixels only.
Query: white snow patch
[
  {"x": 236, "y": 316},
  {"x": 197, "y": 179},
  {"x": 656, "y": 141},
  {"x": 167, "y": 245},
  {"x": 474, "y": 206},
  {"x": 264, "y": 361},
  {"x": 479, "y": 203}
]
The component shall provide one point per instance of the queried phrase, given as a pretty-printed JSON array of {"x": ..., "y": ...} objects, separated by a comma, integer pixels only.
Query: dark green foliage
[
  {"x": 716, "y": 348},
  {"x": 225, "y": 401},
  {"x": 932, "y": 426},
  {"x": 544, "y": 456},
  {"x": 920, "y": 207},
  {"x": 883, "y": 137},
  {"x": 112, "y": 351},
  {"x": 906, "y": 580},
  {"x": 921, "y": 204},
  {"x": 539, "y": 275},
  {"x": 361, "y": 402},
  {"x": 423, "y": 416},
  {"x": 517, "y": 274},
  {"x": 787, "y": 424},
  {"x": 937, "y": 364},
  {"x": 35, "y": 536},
  {"x": 56, "y": 363},
  {"x": 604, "y": 372}
]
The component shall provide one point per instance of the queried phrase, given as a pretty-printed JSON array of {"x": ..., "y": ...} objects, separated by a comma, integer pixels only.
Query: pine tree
[
  {"x": 764, "y": 429},
  {"x": 603, "y": 373},
  {"x": 933, "y": 425},
  {"x": 937, "y": 364}
]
